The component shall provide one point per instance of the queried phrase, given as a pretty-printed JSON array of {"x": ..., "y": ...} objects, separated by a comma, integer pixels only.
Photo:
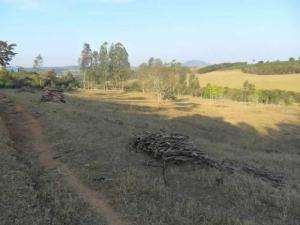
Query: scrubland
[{"x": 91, "y": 133}]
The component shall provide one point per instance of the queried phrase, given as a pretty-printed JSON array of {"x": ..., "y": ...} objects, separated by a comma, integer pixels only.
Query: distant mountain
[{"x": 195, "y": 63}]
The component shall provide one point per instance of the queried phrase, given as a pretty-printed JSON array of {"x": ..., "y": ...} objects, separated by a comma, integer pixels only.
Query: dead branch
[{"x": 178, "y": 149}]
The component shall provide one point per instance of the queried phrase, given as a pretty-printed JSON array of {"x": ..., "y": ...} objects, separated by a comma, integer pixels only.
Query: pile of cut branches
[
  {"x": 177, "y": 149},
  {"x": 53, "y": 95}
]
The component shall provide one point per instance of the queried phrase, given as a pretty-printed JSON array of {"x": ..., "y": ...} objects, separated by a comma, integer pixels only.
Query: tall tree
[
  {"x": 94, "y": 70},
  {"x": 119, "y": 64},
  {"x": 6, "y": 53},
  {"x": 85, "y": 62},
  {"x": 38, "y": 62},
  {"x": 151, "y": 62},
  {"x": 104, "y": 64}
]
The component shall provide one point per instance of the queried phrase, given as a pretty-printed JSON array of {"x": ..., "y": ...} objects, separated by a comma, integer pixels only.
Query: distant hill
[
  {"x": 261, "y": 68},
  {"x": 195, "y": 63}
]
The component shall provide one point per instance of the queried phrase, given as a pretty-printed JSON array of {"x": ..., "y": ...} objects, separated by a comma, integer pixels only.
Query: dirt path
[{"x": 25, "y": 130}]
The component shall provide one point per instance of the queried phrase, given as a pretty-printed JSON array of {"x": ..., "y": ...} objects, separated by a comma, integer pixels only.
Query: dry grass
[
  {"x": 32, "y": 196},
  {"x": 236, "y": 78},
  {"x": 91, "y": 131}
]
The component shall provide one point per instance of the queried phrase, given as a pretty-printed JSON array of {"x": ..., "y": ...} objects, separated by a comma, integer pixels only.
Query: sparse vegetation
[
  {"x": 95, "y": 131},
  {"x": 243, "y": 134}
]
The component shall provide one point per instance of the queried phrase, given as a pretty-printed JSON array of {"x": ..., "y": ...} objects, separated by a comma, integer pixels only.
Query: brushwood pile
[{"x": 174, "y": 148}]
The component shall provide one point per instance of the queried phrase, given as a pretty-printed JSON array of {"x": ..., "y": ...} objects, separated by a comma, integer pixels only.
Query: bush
[
  {"x": 248, "y": 93},
  {"x": 35, "y": 80},
  {"x": 67, "y": 82}
]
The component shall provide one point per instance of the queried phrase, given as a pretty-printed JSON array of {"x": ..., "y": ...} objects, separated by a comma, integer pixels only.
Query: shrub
[
  {"x": 35, "y": 80},
  {"x": 248, "y": 93}
]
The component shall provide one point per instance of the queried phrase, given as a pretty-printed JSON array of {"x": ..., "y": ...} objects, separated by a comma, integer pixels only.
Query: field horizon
[{"x": 236, "y": 78}]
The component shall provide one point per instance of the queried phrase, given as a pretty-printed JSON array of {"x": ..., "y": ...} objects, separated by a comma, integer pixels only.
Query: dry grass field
[
  {"x": 91, "y": 132},
  {"x": 236, "y": 78},
  {"x": 31, "y": 195}
]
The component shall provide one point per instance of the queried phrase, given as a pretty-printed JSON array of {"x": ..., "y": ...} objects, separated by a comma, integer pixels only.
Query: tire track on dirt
[{"x": 25, "y": 130}]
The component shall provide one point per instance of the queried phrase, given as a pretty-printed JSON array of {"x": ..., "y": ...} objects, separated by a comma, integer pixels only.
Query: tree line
[
  {"x": 222, "y": 67},
  {"x": 291, "y": 66},
  {"x": 260, "y": 68},
  {"x": 249, "y": 93},
  {"x": 109, "y": 66}
]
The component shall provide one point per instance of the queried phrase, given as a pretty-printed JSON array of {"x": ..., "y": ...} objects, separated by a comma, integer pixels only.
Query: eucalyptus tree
[
  {"x": 38, "y": 62},
  {"x": 119, "y": 64},
  {"x": 85, "y": 62},
  {"x": 93, "y": 72},
  {"x": 104, "y": 64}
]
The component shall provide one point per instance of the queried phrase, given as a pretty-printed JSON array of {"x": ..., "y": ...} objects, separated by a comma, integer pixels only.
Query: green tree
[
  {"x": 85, "y": 61},
  {"x": 104, "y": 64},
  {"x": 38, "y": 62},
  {"x": 194, "y": 86},
  {"x": 119, "y": 64},
  {"x": 248, "y": 90},
  {"x": 93, "y": 73},
  {"x": 49, "y": 78},
  {"x": 292, "y": 59},
  {"x": 6, "y": 53}
]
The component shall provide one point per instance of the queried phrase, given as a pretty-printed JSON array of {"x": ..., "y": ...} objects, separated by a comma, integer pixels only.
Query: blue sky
[{"x": 209, "y": 30}]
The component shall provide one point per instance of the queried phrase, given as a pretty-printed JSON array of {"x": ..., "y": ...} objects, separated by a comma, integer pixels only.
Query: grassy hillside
[
  {"x": 91, "y": 132},
  {"x": 236, "y": 78},
  {"x": 32, "y": 196}
]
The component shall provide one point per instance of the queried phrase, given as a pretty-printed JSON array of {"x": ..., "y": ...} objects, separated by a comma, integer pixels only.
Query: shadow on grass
[
  {"x": 99, "y": 139},
  {"x": 212, "y": 131},
  {"x": 277, "y": 151}
]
